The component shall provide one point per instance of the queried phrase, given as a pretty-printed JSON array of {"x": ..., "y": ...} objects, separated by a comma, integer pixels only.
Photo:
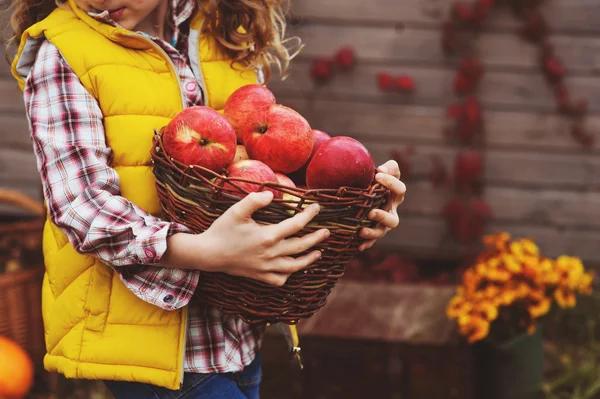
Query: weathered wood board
[{"x": 539, "y": 181}]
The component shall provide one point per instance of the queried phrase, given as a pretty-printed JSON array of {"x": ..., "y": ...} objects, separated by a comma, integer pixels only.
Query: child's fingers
[
  {"x": 387, "y": 219},
  {"x": 288, "y": 264},
  {"x": 391, "y": 167},
  {"x": 366, "y": 245},
  {"x": 389, "y": 181},
  {"x": 296, "y": 245},
  {"x": 294, "y": 224},
  {"x": 276, "y": 279},
  {"x": 244, "y": 208}
]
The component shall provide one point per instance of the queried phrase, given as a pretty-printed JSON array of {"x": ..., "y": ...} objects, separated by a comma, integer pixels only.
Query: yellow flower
[
  {"x": 529, "y": 247},
  {"x": 539, "y": 307},
  {"x": 491, "y": 292},
  {"x": 522, "y": 290},
  {"x": 513, "y": 274},
  {"x": 505, "y": 298},
  {"x": 474, "y": 328},
  {"x": 564, "y": 297},
  {"x": 458, "y": 307},
  {"x": 499, "y": 275},
  {"x": 517, "y": 249},
  {"x": 512, "y": 263},
  {"x": 585, "y": 283},
  {"x": 570, "y": 270},
  {"x": 498, "y": 240},
  {"x": 487, "y": 310}
]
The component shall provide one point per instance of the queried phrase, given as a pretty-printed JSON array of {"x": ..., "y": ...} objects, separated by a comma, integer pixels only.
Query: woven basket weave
[
  {"x": 193, "y": 197},
  {"x": 20, "y": 291}
]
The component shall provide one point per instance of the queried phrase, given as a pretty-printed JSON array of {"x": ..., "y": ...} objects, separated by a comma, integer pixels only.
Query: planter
[{"x": 511, "y": 370}]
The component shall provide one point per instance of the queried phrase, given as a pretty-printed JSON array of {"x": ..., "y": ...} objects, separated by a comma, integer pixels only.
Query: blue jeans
[{"x": 241, "y": 385}]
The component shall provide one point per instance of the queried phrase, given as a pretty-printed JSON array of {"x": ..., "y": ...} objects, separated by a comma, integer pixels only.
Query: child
[{"x": 98, "y": 76}]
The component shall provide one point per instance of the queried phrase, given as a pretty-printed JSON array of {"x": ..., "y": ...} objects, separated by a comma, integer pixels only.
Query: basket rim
[{"x": 200, "y": 172}]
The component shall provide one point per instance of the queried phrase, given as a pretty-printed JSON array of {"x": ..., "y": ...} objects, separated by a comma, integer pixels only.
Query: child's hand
[
  {"x": 387, "y": 217},
  {"x": 242, "y": 247}
]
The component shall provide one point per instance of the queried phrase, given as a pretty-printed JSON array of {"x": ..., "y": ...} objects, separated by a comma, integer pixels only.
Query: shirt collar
[{"x": 182, "y": 10}]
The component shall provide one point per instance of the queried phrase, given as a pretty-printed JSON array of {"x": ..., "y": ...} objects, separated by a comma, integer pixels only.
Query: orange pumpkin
[{"x": 16, "y": 370}]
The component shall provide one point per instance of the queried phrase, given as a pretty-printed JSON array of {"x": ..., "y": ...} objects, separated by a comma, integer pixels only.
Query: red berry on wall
[
  {"x": 554, "y": 68},
  {"x": 405, "y": 83},
  {"x": 321, "y": 70},
  {"x": 344, "y": 58},
  {"x": 385, "y": 81},
  {"x": 462, "y": 12},
  {"x": 472, "y": 68},
  {"x": 468, "y": 170},
  {"x": 535, "y": 27},
  {"x": 461, "y": 84},
  {"x": 454, "y": 111}
]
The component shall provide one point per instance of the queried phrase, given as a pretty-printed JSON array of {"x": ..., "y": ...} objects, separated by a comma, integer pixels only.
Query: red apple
[
  {"x": 284, "y": 180},
  {"x": 200, "y": 136},
  {"x": 278, "y": 136},
  {"x": 341, "y": 161},
  {"x": 253, "y": 170},
  {"x": 244, "y": 101},
  {"x": 319, "y": 137},
  {"x": 240, "y": 153}
]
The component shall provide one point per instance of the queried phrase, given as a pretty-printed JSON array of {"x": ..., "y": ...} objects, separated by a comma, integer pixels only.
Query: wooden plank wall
[
  {"x": 539, "y": 181},
  {"x": 18, "y": 170}
]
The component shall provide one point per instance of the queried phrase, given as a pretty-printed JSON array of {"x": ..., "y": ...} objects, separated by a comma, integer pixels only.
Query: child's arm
[
  {"x": 83, "y": 196},
  {"x": 235, "y": 244},
  {"x": 82, "y": 191}
]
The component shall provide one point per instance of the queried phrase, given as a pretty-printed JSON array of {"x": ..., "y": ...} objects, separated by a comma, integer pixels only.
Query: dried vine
[{"x": 467, "y": 212}]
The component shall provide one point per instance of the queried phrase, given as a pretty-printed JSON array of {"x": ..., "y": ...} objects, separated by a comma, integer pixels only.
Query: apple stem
[{"x": 262, "y": 129}]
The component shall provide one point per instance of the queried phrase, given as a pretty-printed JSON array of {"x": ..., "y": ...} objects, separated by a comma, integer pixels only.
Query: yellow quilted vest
[{"x": 95, "y": 328}]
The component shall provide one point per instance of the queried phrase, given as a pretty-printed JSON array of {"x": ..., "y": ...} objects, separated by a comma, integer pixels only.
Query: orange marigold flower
[
  {"x": 513, "y": 274},
  {"x": 585, "y": 284},
  {"x": 512, "y": 263},
  {"x": 487, "y": 310},
  {"x": 570, "y": 270},
  {"x": 497, "y": 240},
  {"x": 564, "y": 297},
  {"x": 474, "y": 328},
  {"x": 522, "y": 290},
  {"x": 539, "y": 308},
  {"x": 499, "y": 275},
  {"x": 505, "y": 298},
  {"x": 517, "y": 249},
  {"x": 529, "y": 247},
  {"x": 491, "y": 292},
  {"x": 458, "y": 307}
]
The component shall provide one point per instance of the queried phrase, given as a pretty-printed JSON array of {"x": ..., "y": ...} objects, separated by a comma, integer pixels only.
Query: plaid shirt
[{"x": 83, "y": 196}]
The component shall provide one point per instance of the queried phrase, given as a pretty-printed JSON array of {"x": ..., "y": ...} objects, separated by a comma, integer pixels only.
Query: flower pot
[{"x": 511, "y": 370}]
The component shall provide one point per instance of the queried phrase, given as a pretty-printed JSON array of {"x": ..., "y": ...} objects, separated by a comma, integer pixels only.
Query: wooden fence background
[{"x": 539, "y": 181}]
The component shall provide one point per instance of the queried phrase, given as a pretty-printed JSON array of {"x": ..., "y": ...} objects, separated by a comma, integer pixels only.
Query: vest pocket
[{"x": 98, "y": 298}]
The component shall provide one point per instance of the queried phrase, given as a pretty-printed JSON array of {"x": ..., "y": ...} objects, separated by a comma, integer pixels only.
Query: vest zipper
[
  {"x": 194, "y": 50},
  {"x": 183, "y": 103},
  {"x": 169, "y": 61}
]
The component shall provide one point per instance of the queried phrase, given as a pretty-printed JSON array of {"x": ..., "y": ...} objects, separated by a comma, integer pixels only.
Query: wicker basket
[
  {"x": 20, "y": 291},
  {"x": 193, "y": 197}
]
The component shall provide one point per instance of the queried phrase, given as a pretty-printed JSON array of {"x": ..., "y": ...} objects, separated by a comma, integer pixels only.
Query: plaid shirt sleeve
[{"x": 82, "y": 190}]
